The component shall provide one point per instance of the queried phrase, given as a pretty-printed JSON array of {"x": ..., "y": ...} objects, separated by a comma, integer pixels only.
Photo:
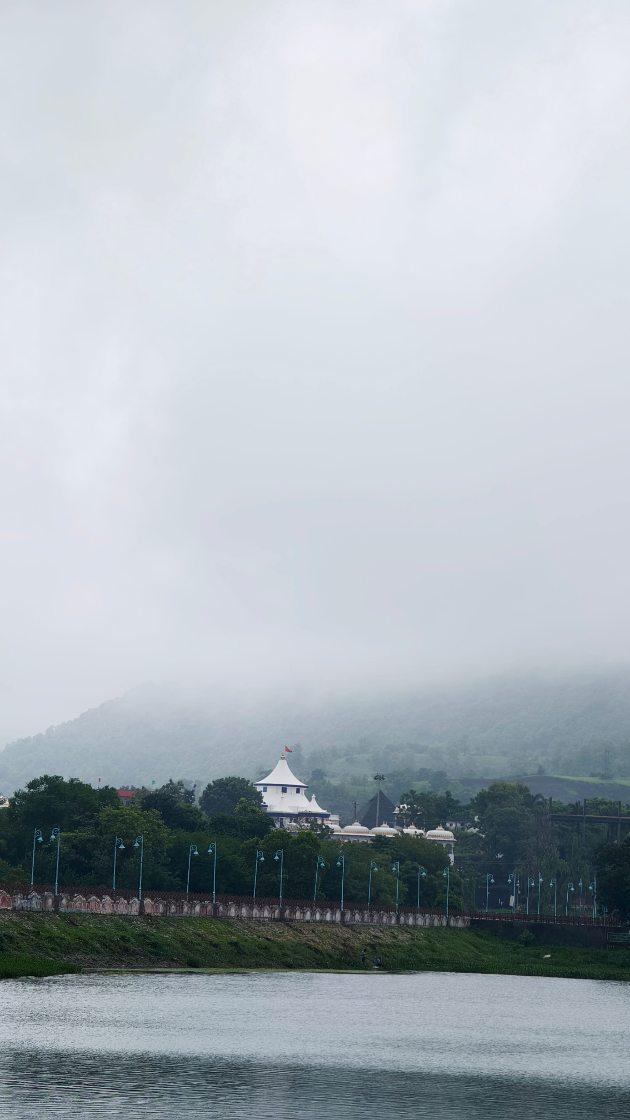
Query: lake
[{"x": 303, "y": 1045}]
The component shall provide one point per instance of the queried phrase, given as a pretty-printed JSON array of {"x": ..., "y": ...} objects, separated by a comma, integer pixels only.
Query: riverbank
[{"x": 38, "y": 944}]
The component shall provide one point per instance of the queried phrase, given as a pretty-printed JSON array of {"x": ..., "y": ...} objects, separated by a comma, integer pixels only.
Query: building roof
[
  {"x": 384, "y": 830},
  {"x": 386, "y": 811},
  {"x": 440, "y": 833},
  {"x": 285, "y": 794},
  {"x": 355, "y": 829},
  {"x": 281, "y": 775}
]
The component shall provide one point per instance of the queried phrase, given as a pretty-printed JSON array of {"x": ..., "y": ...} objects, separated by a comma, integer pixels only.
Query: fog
[{"x": 314, "y": 343}]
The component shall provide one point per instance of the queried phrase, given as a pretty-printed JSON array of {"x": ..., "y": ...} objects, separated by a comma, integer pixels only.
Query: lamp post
[
  {"x": 447, "y": 875},
  {"x": 37, "y": 839},
  {"x": 540, "y": 882},
  {"x": 56, "y": 835},
  {"x": 422, "y": 874},
  {"x": 396, "y": 870},
  {"x": 212, "y": 851},
  {"x": 279, "y": 856},
  {"x": 570, "y": 888},
  {"x": 193, "y": 850},
  {"x": 373, "y": 867},
  {"x": 380, "y": 778},
  {"x": 139, "y": 843},
  {"x": 320, "y": 863},
  {"x": 118, "y": 847},
  {"x": 341, "y": 862},
  {"x": 580, "y": 888},
  {"x": 530, "y": 884},
  {"x": 489, "y": 881},
  {"x": 554, "y": 883},
  {"x": 593, "y": 889},
  {"x": 260, "y": 858},
  {"x": 513, "y": 879}
]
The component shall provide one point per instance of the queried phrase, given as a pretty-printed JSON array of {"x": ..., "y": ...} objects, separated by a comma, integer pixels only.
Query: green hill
[{"x": 576, "y": 724}]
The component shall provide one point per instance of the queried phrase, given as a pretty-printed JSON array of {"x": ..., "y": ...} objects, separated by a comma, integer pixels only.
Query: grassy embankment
[{"x": 44, "y": 944}]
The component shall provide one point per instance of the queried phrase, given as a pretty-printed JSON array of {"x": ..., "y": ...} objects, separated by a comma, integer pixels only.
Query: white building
[
  {"x": 445, "y": 838},
  {"x": 285, "y": 798}
]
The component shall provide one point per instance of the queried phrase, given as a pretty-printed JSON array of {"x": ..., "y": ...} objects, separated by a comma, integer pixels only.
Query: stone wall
[{"x": 177, "y": 905}]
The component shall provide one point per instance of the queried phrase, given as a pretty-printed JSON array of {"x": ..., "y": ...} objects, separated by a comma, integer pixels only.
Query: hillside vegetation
[{"x": 576, "y": 724}]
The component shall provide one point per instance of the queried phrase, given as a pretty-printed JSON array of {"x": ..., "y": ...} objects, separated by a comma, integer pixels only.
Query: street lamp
[
  {"x": 513, "y": 879},
  {"x": 580, "y": 888},
  {"x": 212, "y": 851},
  {"x": 489, "y": 881},
  {"x": 260, "y": 857},
  {"x": 279, "y": 856},
  {"x": 373, "y": 867},
  {"x": 320, "y": 863},
  {"x": 593, "y": 889},
  {"x": 554, "y": 883},
  {"x": 37, "y": 839},
  {"x": 570, "y": 888},
  {"x": 447, "y": 875},
  {"x": 530, "y": 884},
  {"x": 540, "y": 882},
  {"x": 118, "y": 847},
  {"x": 139, "y": 843},
  {"x": 193, "y": 850},
  {"x": 422, "y": 874},
  {"x": 396, "y": 870},
  {"x": 341, "y": 862},
  {"x": 56, "y": 835}
]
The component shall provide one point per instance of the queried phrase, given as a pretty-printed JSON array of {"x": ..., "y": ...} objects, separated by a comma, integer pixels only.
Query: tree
[
  {"x": 47, "y": 802},
  {"x": 613, "y": 876},
  {"x": 223, "y": 795},
  {"x": 173, "y": 803}
]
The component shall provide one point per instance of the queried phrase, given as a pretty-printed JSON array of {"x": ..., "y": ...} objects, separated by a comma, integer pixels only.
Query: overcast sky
[{"x": 314, "y": 342}]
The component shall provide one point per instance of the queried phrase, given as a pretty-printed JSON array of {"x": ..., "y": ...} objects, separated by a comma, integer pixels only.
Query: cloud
[{"x": 313, "y": 344}]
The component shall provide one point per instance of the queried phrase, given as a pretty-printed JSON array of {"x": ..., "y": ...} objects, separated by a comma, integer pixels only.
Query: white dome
[
  {"x": 439, "y": 833},
  {"x": 384, "y": 829},
  {"x": 411, "y": 830},
  {"x": 356, "y": 829}
]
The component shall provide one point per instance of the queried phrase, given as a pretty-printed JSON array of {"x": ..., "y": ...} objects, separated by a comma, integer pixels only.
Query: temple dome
[
  {"x": 384, "y": 829},
  {"x": 440, "y": 833}
]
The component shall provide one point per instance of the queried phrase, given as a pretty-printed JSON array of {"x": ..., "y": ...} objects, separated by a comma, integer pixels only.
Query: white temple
[{"x": 284, "y": 797}]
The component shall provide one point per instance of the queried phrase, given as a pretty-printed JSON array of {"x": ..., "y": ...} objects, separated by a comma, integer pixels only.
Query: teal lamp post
[
  {"x": 489, "y": 883},
  {"x": 279, "y": 858},
  {"x": 581, "y": 890},
  {"x": 118, "y": 847},
  {"x": 56, "y": 836},
  {"x": 320, "y": 864},
  {"x": 513, "y": 880},
  {"x": 373, "y": 868},
  {"x": 260, "y": 858},
  {"x": 396, "y": 870},
  {"x": 530, "y": 884},
  {"x": 570, "y": 889},
  {"x": 341, "y": 862},
  {"x": 193, "y": 850},
  {"x": 447, "y": 875},
  {"x": 212, "y": 851},
  {"x": 139, "y": 843},
  {"x": 554, "y": 883},
  {"x": 593, "y": 889},
  {"x": 422, "y": 874},
  {"x": 38, "y": 838},
  {"x": 540, "y": 883}
]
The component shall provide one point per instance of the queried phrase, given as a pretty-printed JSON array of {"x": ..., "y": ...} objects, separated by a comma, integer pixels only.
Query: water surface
[{"x": 303, "y": 1045}]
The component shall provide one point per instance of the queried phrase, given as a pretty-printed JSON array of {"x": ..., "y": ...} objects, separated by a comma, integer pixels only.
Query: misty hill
[{"x": 577, "y": 724}]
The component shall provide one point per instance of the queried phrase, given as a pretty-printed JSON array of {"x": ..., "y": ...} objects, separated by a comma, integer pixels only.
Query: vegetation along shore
[{"x": 46, "y": 944}]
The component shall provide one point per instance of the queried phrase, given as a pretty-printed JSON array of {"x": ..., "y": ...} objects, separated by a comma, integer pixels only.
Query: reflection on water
[{"x": 303, "y": 1046}]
